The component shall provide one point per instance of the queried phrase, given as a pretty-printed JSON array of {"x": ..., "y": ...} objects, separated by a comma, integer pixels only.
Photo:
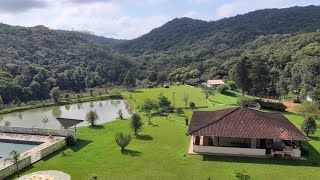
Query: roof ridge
[
  {"x": 271, "y": 122},
  {"x": 216, "y": 120}
]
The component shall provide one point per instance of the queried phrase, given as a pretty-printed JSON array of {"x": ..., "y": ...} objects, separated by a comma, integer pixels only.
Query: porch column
[{"x": 253, "y": 143}]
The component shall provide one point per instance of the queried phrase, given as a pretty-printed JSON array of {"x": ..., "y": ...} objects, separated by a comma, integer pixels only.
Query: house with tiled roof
[
  {"x": 214, "y": 83},
  {"x": 242, "y": 131}
]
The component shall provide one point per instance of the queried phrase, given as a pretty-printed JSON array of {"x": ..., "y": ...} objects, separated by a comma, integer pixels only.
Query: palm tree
[
  {"x": 92, "y": 117},
  {"x": 15, "y": 157}
]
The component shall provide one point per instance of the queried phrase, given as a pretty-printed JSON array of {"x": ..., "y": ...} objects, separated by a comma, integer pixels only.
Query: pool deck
[{"x": 34, "y": 152}]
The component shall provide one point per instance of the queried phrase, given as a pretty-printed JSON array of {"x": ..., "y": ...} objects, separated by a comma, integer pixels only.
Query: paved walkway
[
  {"x": 46, "y": 175},
  {"x": 34, "y": 152}
]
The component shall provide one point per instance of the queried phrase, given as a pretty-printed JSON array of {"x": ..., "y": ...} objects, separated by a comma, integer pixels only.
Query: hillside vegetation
[
  {"x": 34, "y": 60},
  {"x": 281, "y": 45}
]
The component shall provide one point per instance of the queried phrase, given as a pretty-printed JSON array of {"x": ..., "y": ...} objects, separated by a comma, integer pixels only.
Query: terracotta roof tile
[{"x": 244, "y": 123}]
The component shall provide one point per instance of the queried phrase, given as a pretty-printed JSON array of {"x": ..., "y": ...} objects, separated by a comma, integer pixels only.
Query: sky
[{"x": 126, "y": 19}]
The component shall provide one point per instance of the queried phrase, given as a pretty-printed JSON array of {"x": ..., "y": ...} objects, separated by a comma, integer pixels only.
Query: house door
[
  {"x": 197, "y": 141},
  {"x": 263, "y": 143}
]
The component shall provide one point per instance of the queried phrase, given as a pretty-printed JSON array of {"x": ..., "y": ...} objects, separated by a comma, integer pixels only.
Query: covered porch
[{"x": 251, "y": 147}]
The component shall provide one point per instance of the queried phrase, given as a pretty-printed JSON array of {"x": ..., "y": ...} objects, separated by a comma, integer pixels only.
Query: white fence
[
  {"x": 37, "y": 131},
  {"x": 12, "y": 168}
]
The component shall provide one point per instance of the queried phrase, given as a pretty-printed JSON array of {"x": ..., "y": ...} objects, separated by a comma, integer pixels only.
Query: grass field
[{"x": 160, "y": 152}]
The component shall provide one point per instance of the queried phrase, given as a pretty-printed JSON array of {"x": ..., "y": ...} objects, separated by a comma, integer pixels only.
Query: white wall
[{"x": 229, "y": 150}]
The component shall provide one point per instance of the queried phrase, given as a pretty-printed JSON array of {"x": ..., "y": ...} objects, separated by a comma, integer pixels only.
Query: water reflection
[
  {"x": 20, "y": 116},
  {"x": 67, "y": 107},
  {"x": 107, "y": 111},
  {"x": 79, "y": 105},
  {"x": 56, "y": 112}
]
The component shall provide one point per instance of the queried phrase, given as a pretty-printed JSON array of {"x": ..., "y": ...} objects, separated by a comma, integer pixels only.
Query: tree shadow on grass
[
  {"x": 136, "y": 91},
  {"x": 130, "y": 152},
  {"x": 96, "y": 127},
  {"x": 144, "y": 137},
  {"x": 228, "y": 93},
  {"x": 79, "y": 145},
  {"x": 313, "y": 159}
]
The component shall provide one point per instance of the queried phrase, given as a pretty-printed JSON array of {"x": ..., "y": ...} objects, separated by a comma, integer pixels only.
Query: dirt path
[{"x": 291, "y": 106}]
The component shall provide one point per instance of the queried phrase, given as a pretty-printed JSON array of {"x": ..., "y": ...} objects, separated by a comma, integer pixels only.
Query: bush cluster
[{"x": 277, "y": 106}]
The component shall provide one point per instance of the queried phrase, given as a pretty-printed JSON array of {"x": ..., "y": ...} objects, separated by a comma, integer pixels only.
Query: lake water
[{"x": 107, "y": 111}]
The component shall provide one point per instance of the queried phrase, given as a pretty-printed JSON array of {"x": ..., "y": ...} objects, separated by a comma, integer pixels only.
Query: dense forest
[
  {"x": 281, "y": 48},
  {"x": 34, "y": 60}
]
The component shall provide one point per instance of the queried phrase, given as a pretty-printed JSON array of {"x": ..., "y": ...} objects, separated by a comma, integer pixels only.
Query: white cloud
[
  {"x": 102, "y": 18},
  {"x": 192, "y": 14},
  {"x": 199, "y": 1},
  {"x": 243, "y": 6}
]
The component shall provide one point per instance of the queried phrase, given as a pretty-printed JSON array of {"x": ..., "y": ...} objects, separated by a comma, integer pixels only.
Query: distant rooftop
[{"x": 216, "y": 82}]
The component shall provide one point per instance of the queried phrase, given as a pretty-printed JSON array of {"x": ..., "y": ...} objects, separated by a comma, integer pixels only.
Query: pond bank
[{"x": 50, "y": 104}]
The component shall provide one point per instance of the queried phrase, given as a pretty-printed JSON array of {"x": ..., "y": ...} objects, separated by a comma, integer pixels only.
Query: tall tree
[
  {"x": 92, "y": 117},
  {"x": 55, "y": 94},
  {"x": 241, "y": 73},
  {"x": 148, "y": 106},
  {"x": 309, "y": 126},
  {"x": 129, "y": 79},
  {"x": 259, "y": 76},
  {"x": 163, "y": 101}
]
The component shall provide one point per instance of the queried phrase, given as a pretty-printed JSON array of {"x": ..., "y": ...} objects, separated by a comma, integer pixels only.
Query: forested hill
[
  {"x": 231, "y": 31},
  {"x": 34, "y": 60},
  {"x": 101, "y": 40}
]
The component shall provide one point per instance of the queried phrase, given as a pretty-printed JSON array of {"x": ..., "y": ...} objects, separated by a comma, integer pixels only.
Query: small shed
[{"x": 215, "y": 82}]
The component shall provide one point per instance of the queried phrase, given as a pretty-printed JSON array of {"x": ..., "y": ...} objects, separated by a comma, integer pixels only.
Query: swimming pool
[{"x": 6, "y": 146}]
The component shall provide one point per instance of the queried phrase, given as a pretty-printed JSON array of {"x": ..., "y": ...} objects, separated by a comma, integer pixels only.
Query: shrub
[
  {"x": 136, "y": 123},
  {"x": 277, "y": 106},
  {"x": 122, "y": 139},
  {"x": 246, "y": 102},
  {"x": 163, "y": 102},
  {"x": 115, "y": 94},
  {"x": 186, "y": 120},
  {"x": 223, "y": 88},
  {"x": 304, "y": 150},
  {"x": 93, "y": 177},
  {"x": 179, "y": 111},
  {"x": 232, "y": 85},
  {"x": 242, "y": 175},
  {"x": 192, "y": 105},
  {"x": 70, "y": 140}
]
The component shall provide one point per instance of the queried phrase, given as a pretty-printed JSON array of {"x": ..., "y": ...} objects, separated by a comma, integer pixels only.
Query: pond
[{"x": 107, "y": 111}]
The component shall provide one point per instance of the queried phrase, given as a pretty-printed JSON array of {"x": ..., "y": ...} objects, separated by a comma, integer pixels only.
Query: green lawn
[{"x": 160, "y": 152}]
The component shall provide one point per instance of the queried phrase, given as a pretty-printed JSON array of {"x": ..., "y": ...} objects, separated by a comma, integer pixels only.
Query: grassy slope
[{"x": 161, "y": 150}]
